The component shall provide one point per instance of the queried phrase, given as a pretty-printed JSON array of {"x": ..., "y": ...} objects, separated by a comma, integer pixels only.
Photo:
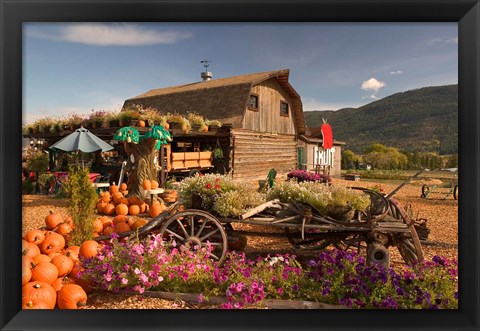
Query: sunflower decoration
[
  {"x": 159, "y": 134},
  {"x": 127, "y": 134}
]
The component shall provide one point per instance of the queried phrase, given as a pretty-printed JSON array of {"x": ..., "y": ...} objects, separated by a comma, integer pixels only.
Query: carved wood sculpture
[{"x": 142, "y": 154}]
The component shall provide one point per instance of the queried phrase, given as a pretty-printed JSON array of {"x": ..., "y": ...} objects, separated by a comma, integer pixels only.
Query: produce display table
[{"x": 153, "y": 192}]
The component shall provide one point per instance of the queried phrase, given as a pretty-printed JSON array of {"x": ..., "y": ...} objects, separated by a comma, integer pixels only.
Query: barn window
[
  {"x": 283, "y": 108},
  {"x": 253, "y": 102}
]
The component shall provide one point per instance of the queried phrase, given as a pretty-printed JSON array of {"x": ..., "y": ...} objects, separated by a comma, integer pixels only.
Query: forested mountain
[{"x": 424, "y": 119}]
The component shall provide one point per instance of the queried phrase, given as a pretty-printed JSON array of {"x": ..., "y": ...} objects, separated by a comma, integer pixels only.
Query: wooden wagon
[{"x": 383, "y": 225}]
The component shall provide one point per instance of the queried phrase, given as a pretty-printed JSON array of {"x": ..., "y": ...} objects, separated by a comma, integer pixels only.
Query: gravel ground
[{"x": 442, "y": 216}]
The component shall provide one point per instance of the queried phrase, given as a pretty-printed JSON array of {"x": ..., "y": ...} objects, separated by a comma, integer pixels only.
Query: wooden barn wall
[
  {"x": 268, "y": 118},
  {"x": 256, "y": 153}
]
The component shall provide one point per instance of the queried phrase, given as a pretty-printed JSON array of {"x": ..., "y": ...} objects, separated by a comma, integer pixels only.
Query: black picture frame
[{"x": 14, "y": 13}]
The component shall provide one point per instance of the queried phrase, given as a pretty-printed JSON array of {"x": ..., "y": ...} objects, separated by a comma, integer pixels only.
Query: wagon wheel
[
  {"x": 407, "y": 243},
  {"x": 455, "y": 192},
  {"x": 425, "y": 190},
  {"x": 194, "y": 173},
  {"x": 194, "y": 228}
]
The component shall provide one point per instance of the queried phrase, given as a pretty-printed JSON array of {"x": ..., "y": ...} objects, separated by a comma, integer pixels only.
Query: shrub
[{"x": 82, "y": 198}]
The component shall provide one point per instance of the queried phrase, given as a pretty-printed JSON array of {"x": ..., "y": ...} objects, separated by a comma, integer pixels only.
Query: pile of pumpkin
[
  {"x": 51, "y": 269},
  {"x": 115, "y": 201}
]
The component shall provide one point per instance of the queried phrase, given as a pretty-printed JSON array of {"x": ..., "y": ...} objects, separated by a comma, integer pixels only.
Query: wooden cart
[{"x": 385, "y": 224}]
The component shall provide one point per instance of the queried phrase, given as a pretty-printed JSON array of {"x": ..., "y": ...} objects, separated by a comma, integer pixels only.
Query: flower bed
[
  {"x": 334, "y": 277},
  {"x": 304, "y": 175}
]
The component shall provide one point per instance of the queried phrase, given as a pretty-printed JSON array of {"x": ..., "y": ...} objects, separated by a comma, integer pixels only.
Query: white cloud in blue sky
[
  {"x": 77, "y": 67},
  {"x": 374, "y": 85},
  {"x": 111, "y": 35}
]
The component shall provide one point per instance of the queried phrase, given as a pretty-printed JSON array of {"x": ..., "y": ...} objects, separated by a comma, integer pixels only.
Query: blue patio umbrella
[{"x": 81, "y": 140}]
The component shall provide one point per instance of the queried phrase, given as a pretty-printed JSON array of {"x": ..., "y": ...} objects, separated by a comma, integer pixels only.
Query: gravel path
[{"x": 442, "y": 216}]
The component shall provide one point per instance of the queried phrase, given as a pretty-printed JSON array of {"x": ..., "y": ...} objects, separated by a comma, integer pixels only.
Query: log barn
[{"x": 263, "y": 126}]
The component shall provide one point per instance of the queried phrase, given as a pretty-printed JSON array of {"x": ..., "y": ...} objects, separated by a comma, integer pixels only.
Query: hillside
[{"x": 424, "y": 119}]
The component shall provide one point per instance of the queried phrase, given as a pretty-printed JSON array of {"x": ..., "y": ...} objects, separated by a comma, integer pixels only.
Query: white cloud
[
  {"x": 101, "y": 34},
  {"x": 396, "y": 72},
  {"x": 444, "y": 40},
  {"x": 372, "y": 85}
]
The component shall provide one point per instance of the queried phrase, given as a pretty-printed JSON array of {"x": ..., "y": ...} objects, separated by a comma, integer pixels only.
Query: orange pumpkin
[
  {"x": 135, "y": 200},
  {"x": 122, "y": 227},
  {"x": 108, "y": 230},
  {"x": 41, "y": 257},
  {"x": 30, "y": 249},
  {"x": 133, "y": 209},
  {"x": 106, "y": 221},
  {"x": 105, "y": 196},
  {"x": 117, "y": 196},
  {"x": 37, "y": 304},
  {"x": 125, "y": 201},
  {"x": 88, "y": 249},
  {"x": 141, "y": 123},
  {"x": 120, "y": 219},
  {"x": 109, "y": 209},
  {"x": 35, "y": 236},
  {"x": 123, "y": 187},
  {"x": 143, "y": 208},
  {"x": 154, "y": 184},
  {"x": 146, "y": 184},
  {"x": 101, "y": 206},
  {"x": 61, "y": 282},
  {"x": 44, "y": 272},
  {"x": 113, "y": 189},
  {"x": 34, "y": 292},
  {"x": 64, "y": 229},
  {"x": 53, "y": 243},
  {"x": 138, "y": 224},
  {"x": 71, "y": 296},
  {"x": 81, "y": 279},
  {"x": 26, "y": 269},
  {"x": 121, "y": 209},
  {"x": 156, "y": 209},
  {"x": 52, "y": 220},
  {"x": 74, "y": 249},
  {"x": 63, "y": 263},
  {"x": 97, "y": 225}
]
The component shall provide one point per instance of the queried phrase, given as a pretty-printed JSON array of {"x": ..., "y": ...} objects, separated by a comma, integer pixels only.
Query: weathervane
[{"x": 205, "y": 64}]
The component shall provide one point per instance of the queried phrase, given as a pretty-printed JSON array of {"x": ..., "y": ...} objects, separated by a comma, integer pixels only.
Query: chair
[
  {"x": 269, "y": 182},
  {"x": 102, "y": 182}
]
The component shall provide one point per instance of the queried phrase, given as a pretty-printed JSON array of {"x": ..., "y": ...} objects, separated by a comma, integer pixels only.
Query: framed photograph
[{"x": 16, "y": 17}]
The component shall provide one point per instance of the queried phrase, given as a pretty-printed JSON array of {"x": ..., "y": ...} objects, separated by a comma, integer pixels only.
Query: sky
[{"x": 79, "y": 67}]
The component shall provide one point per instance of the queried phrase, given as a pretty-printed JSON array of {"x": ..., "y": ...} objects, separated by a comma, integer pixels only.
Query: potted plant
[
  {"x": 217, "y": 153},
  {"x": 58, "y": 125},
  {"x": 44, "y": 124},
  {"x": 197, "y": 122},
  {"x": 213, "y": 124},
  {"x": 74, "y": 121},
  {"x": 127, "y": 116},
  {"x": 152, "y": 117},
  {"x": 96, "y": 118},
  {"x": 111, "y": 120},
  {"x": 178, "y": 122}
]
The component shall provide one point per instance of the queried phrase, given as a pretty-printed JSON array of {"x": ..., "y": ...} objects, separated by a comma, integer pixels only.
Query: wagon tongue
[{"x": 391, "y": 194}]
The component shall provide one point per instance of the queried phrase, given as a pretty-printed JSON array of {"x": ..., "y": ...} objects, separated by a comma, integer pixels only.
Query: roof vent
[{"x": 206, "y": 75}]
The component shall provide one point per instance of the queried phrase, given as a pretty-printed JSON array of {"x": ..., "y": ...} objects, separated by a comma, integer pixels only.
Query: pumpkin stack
[
  {"x": 50, "y": 276},
  {"x": 115, "y": 202}
]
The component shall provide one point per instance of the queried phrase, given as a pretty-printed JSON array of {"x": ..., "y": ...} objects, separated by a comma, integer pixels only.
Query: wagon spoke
[
  {"x": 192, "y": 230},
  {"x": 182, "y": 227},
  {"x": 209, "y": 234},
  {"x": 201, "y": 228},
  {"x": 174, "y": 234}
]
